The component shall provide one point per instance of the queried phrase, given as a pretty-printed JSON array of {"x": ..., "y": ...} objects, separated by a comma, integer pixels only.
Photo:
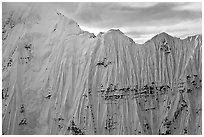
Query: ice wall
[{"x": 59, "y": 79}]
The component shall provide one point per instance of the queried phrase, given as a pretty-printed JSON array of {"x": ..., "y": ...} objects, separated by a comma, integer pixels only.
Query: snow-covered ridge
[
  {"x": 32, "y": 19},
  {"x": 59, "y": 79}
]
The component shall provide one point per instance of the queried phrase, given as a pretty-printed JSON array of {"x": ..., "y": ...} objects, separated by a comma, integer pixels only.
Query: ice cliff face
[{"x": 59, "y": 79}]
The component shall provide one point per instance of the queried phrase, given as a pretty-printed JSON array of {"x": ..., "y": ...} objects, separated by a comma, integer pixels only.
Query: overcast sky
[{"x": 140, "y": 21}]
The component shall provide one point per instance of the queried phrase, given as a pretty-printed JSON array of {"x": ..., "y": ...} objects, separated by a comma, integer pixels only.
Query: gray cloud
[
  {"x": 178, "y": 19},
  {"x": 88, "y": 13},
  {"x": 107, "y": 15}
]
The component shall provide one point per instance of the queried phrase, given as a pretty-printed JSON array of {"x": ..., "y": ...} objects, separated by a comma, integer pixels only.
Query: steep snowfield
[{"x": 59, "y": 79}]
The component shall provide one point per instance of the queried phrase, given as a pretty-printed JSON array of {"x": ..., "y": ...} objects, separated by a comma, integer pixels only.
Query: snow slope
[{"x": 59, "y": 79}]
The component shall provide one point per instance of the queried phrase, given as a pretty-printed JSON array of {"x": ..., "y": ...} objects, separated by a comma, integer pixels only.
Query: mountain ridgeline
[{"x": 59, "y": 79}]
